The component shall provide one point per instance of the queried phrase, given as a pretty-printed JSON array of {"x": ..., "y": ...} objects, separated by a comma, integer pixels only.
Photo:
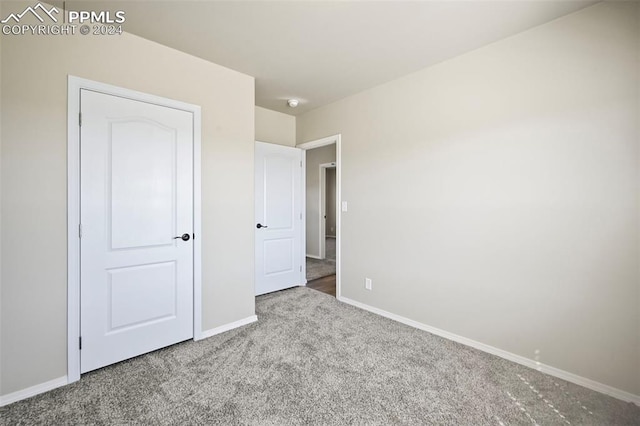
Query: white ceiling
[{"x": 322, "y": 51}]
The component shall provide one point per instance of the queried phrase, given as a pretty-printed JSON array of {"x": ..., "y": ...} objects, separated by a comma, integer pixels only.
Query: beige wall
[
  {"x": 275, "y": 127},
  {"x": 33, "y": 177},
  {"x": 511, "y": 177},
  {"x": 315, "y": 157}
]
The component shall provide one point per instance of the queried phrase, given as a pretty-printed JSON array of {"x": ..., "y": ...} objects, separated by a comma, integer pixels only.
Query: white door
[
  {"x": 136, "y": 195},
  {"x": 278, "y": 186}
]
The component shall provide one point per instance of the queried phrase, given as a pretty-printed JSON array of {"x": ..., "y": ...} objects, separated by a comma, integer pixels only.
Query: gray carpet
[
  {"x": 317, "y": 268},
  {"x": 330, "y": 248},
  {"x": 313, "y": 360}
]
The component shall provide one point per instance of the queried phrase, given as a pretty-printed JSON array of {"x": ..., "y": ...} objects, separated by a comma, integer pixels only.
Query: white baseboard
[
  {"x": 33, "y": 391},
  {"x": 552, "y": 371},
  {"x": 314, "y": 256},
  {"x": 226, "y": 327}
]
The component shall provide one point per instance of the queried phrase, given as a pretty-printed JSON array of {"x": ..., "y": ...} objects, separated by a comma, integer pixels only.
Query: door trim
[
  {"x": 329, "y": 140},
  {"x": 74, "y": 86}
]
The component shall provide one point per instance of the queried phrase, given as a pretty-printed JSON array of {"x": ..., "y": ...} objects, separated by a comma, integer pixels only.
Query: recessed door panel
[
  {"x": 141, "y": 295},
  {"x": 279, "y": 178},
  {"x": 143, "y": 186},
  {"x": 278, "y": 256}
]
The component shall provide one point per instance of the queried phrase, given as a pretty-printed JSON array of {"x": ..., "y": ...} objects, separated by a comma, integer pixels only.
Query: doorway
[
  {"x": 321, "y": 247},
  {"x": 322, "y": 225},
  {"x": 328, "y": 205}
]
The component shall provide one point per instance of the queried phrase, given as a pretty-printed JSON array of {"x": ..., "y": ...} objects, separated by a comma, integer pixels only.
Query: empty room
[{"x": 320, "y": 212}]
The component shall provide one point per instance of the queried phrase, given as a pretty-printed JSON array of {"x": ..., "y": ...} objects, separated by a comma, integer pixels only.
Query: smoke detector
[{"x": 293, "y": 103}]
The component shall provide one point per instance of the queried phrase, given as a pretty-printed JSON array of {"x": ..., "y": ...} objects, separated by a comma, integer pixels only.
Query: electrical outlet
[{"x": 367, "y": 283}]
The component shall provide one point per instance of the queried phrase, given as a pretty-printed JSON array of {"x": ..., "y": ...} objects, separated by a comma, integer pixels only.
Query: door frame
[
  {"x": 329, "y": 140},
  {"x": 74, "y": 87},
  {"x": 322, "y": 226}
]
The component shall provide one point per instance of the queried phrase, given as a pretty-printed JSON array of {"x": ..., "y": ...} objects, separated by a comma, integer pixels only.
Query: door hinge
[
  {"x": 300, "y": 163},
  {"x": 80, "y": 119},
  {"x": 79, "y": 230},
  {"x": 300, "y": 268},
  {"x": 194, "y": 236},
  {"x": 80, "y": 342}
]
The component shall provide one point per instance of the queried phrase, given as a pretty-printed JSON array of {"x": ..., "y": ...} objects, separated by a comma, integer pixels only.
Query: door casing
[{"x": 75, "y": 84}]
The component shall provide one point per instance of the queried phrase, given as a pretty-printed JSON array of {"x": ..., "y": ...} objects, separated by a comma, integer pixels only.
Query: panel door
[
  {"x": 278, "y": 187},
  {"x": 136, "y": 197}
]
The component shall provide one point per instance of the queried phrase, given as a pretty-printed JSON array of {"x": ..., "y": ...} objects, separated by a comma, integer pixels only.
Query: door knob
[
  {"x": 184, "y": 237},
  {"x": 261, "y": 226}
]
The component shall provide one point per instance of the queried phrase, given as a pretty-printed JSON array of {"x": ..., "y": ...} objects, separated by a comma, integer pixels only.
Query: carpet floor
[
  {"x": 311, "y": 360},
  {"x": 330, "y": 248},
  {"x": 318, "y": 268}
]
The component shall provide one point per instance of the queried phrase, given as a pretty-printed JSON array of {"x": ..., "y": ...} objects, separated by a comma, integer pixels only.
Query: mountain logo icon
[{"x": 34, "y": 11}]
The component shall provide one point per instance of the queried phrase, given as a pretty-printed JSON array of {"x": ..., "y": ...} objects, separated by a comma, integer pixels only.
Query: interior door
[
  {"x": 278, "y": 204},
  {"x": 136, "y": 267}
]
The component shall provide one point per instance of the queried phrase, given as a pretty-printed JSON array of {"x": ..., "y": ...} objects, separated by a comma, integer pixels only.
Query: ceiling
[{"x": 322, "y": 51}]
